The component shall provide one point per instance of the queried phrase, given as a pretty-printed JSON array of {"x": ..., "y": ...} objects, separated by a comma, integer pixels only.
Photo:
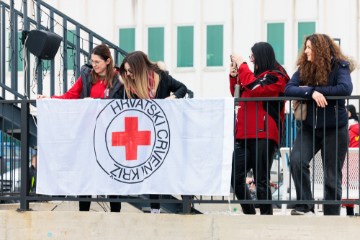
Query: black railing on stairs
[{"x": 81, "y": 41}]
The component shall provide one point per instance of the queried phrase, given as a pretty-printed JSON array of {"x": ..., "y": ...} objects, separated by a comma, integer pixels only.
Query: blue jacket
[{"x": 339, "y": 84}]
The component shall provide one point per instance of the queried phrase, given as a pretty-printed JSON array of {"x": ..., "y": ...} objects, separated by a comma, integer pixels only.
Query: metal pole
[
  {"x": 24, "y": 190},
  {"x": 13, "y": 43},
  {"x": 27, "y": 56},
  {"x": 39, "y": 62},
  {"x": 186, "y": 204}
]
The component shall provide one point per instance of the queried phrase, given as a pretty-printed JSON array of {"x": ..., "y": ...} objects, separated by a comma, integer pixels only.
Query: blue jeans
[
  {"x": 333, "y": 144},
  {"x": 258, "y": 156}
]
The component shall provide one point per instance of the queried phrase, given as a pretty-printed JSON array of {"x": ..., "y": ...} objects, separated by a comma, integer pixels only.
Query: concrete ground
[
  {"x": 62, "y": 220},
  {"x": 230, "y": 209}
]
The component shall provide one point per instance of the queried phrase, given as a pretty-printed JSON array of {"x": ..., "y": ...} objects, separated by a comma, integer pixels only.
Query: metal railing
[
  {"x": 187, "y": 204},
  {"x": 77, "y": 44}
]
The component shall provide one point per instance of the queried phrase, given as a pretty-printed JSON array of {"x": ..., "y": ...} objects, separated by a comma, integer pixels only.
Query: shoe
[
  {"x": 155, "y": 211},
  {"x": 300, "y": 213}
]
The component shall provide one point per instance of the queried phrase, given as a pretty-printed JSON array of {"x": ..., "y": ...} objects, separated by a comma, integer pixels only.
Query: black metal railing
[
  {"x": 186, "y": 204},
  {"x": 35, "y": 73}
]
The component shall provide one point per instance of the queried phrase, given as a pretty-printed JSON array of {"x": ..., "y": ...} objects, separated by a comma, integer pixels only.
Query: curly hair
[{"x": 324, "y": 53}]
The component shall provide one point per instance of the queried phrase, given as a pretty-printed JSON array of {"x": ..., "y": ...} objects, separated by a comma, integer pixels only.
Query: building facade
[{"x": 196, "y": 37}]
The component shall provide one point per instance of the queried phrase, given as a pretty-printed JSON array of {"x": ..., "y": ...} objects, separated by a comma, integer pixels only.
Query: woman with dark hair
[
  {"x": 322, "y": 71},
  {"x": 144, "y": 79},
  {"x": 259, "y": 123},
  {"x": 352, "y": 113},
  {"x": 98, "y": 80}
]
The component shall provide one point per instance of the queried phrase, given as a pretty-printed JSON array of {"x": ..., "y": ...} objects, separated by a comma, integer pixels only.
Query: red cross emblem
[{"x": 131, "y": 138}]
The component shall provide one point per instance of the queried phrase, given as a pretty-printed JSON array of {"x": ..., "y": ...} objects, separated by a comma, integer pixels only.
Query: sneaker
[
  {"x": 155, "y": 211},
  {"x": 300, "y": 213}
]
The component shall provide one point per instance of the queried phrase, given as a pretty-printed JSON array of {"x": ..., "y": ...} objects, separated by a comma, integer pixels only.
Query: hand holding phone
[
  {"x": 233, "y": 63},
  {"x": 233, "y": 67}
]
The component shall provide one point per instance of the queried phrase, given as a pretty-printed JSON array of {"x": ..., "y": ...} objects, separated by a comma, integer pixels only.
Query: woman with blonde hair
[{"x": 144, "y": 79}]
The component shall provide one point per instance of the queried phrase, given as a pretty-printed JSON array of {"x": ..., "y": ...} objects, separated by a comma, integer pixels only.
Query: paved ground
[
  {"x": 210, "y": 209},
  {"x": 62, "y": 220}
]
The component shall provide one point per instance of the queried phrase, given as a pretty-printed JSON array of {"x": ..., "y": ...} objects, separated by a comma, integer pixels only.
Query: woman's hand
[
  {"x": 41, "y": 96},
  {"x": 233, "y": 70},
  {"x": 237, "y": 59},
  {"x": 319, "y": 99},
  {"x": 172, "y": 96}
]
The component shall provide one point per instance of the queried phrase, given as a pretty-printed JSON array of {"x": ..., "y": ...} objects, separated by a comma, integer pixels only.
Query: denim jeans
[
  {"x": 258, "y": 156},
  {"x": 333, "y": 144}
]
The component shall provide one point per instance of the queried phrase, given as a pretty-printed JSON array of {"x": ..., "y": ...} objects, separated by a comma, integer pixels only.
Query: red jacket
[
  {"x": 354, "y": 135},
  {"x": 260, "y": 119},
  {"x": 97, "y": 90}
]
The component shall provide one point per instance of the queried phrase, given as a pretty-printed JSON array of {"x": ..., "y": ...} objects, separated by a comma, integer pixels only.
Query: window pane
[
  {"x": 185, "y": 46},
  {"x": 71, "y": 34},
  {"x": 214, "y": 47},
  {"x": 19, "y": 55},
  {"x": 275, "y": 36},
  {"x": 304, "y": 29},
  {"x": 156, "y": 44},
  {"x": 126, "y": 40}
]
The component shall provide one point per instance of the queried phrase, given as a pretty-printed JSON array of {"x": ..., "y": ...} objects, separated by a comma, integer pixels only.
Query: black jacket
[{"x": 167, "y": 85}]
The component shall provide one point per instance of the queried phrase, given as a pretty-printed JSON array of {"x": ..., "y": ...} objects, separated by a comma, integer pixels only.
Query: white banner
[{"x": 120, "y": 147}]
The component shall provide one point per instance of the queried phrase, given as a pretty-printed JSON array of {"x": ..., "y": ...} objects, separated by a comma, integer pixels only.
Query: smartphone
[{"x": 232, "y": 63}]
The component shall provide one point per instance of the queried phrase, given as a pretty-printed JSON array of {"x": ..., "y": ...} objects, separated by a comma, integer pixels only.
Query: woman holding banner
[
  {"x": 98, "y": 80},
  {"x": 144, "y": 79}
]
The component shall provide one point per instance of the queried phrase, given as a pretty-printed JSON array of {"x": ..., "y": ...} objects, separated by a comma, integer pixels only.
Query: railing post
[
  {"x": 27, "y": 56},
  {"x": 24, "y": 189},
  {"x": 186, "y": 204},
  {"x": 39, "y": 67},
  {"x": 13, "y": 46},
  {"x": 2, "y": 48}
]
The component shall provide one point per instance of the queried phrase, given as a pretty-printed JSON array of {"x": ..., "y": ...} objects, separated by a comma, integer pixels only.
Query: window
[
  {"x": 275, "y": 36},
  {"x": 214, "y": 46},
  {"x": 304, "y": 29},
  {"x": 185, "y": 46},
  {"x": 19, "y": 54},
  {"x": 156, "y": 43},
  {"x": 71, "y": 38},
  {"x": 46, "y": 64},
  {"x": 126, "y": 40}
]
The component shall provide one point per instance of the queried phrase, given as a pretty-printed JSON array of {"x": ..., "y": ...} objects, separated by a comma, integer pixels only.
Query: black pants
[
  {"x": 306, "y": 144},
  {"x": 258, "y": 156},
  {"x": 154, "y": 205},
  {"x": 85, "y": 206}
]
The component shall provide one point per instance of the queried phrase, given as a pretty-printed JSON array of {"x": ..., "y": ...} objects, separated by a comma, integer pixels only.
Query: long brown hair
[
  {"x": 324, "y": 52},
  {"x": 141, "y": 68},
  {"x": 104, "y": 53}
]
